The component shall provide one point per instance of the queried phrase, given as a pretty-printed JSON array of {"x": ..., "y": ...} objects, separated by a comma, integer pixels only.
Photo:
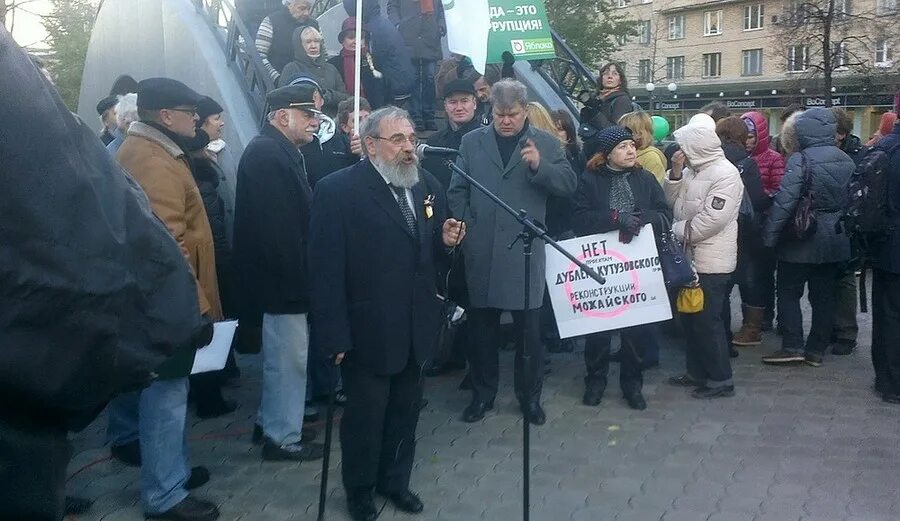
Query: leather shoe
[
  {"x": 199, "y": 477},
  {"x": 129, "y": 453},
  {"x": 190, "y": 509},
  {"x": 292, "y": 451},
  {"x": 307, "y": 434},
  {"x": 406, "y": 501},
  {"x": 706, "y": 393},
  {"x": 216, "y": 409},
  {"x": 534, "y": 413},
  {"x": 636, "y": 401},
  {"x": 891, "y": 398},
  {"x": 361, "y": 506},
  {"x": 475, "y": 411},
  {"x": 446, "y": 367}
]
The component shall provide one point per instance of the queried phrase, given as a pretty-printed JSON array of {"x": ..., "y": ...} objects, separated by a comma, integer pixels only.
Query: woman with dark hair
[
  {"x": 614, "y": 193},
  {"x": 565, "y": 129},
  {"x": 732, "y": 131},
  {"x": 611, "y": 102}
]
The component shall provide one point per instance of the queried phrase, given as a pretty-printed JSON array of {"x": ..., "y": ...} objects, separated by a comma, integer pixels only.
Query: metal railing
[
  {"x": 566, "y": 74},
  {"x": 240, "y": 51}
]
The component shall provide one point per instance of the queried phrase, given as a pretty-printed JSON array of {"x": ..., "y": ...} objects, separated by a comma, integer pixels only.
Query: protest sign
[
  {"x": 520, "y": 27},
  {"x": 634, "y": 293}
]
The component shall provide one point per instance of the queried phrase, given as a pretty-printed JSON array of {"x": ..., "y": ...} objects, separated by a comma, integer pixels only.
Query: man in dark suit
[
  {"x": 377, "y": 231},
  {"x": 271, "y": 220}
]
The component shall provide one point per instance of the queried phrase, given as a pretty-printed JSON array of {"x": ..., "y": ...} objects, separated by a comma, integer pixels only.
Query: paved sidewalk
[{"x": 797, "y": 443}]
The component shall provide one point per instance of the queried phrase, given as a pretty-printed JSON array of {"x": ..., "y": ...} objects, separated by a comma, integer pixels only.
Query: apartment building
[{"x": 750, "y": 56}]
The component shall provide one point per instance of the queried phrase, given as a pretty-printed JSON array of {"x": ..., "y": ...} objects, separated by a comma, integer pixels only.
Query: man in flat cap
[
  {"x": 106, "y": 109},
  {"x": 271, "y": 225},
  {"x": 154, "y": 154}
]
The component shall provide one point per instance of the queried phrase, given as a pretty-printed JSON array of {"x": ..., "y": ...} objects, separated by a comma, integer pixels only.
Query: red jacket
[{"x": 771, "y": 163}]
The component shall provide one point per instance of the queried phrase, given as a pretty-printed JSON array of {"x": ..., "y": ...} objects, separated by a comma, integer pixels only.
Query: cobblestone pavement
[{"x": 797, "y": 443}]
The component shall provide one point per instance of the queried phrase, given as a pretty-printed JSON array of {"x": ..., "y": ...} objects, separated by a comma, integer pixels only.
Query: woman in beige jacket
[{"x": 705, "y": 191}]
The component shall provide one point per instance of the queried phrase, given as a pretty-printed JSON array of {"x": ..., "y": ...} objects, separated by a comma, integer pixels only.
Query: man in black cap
[
  {"x": 271, "y": 224},
  {"x": 155, "y": 153},
  {"x": 106, "y": 109}
]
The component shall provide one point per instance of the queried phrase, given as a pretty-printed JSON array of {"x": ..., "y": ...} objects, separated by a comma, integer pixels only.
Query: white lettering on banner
[
  {"x": 517, "y": 25},
  {"x": 743, "y": 104},
  {"x": 668, "y": 106},
  {"x": 634, "y": 292},
  {"x": 820, "y": 102}
]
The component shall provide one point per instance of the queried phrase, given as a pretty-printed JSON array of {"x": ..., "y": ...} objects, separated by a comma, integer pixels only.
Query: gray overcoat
[{"x": 495, "y": 275}]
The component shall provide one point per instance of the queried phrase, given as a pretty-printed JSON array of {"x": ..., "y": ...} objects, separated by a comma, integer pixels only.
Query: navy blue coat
[
  {"x": 888, "y": 255},
  {"x": 831, "y": 170},
  {"x": 389, "y": 51},
  {"x": 373, "y": 284}
]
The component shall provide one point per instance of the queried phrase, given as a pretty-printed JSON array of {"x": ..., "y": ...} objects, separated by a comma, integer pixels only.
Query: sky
[{"x": 27, "y": 30}]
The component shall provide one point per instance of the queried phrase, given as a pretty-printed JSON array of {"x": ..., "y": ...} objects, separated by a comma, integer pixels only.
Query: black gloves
[
  {"x": 629, "y": 224},
  {"x": 204, "y": 334}
]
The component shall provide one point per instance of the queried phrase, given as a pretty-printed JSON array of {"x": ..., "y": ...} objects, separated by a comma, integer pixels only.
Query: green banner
[{"x": 520, "y": 27}]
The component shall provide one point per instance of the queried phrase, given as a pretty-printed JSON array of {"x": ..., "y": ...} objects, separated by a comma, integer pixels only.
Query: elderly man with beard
[
  {"x": 377, "y": 233},
  {"x": 270, "y": 236},
  {"x": 524, "y": 165}
]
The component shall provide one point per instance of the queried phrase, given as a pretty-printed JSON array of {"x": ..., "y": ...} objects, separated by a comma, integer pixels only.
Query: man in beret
[
  {"x": 106, "y": 109},
  {"x": 271, "y": 222},
  {"x": 154, "y": 153}
]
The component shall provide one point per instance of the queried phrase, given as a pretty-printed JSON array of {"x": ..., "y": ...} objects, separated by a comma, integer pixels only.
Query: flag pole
[{"x": 356, "y": 72}]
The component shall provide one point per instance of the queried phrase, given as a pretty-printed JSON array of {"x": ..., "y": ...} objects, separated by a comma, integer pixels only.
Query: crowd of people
[{"x": 772, "y": 215}]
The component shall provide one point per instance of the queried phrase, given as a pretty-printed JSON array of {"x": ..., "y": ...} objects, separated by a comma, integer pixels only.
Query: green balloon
[{"x": 660, "y": 127}]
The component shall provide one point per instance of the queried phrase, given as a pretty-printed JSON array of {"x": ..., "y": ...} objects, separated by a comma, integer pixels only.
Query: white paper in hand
[{"x": 213, "y": 356}]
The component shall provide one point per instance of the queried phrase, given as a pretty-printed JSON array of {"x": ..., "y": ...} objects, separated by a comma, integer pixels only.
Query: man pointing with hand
[
  {"x": 377, "y": 233},
  {"x": 522, "y": 165}
]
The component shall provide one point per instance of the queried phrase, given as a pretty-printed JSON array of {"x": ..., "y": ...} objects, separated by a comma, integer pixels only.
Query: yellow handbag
[{"x": 690, "y": 298}]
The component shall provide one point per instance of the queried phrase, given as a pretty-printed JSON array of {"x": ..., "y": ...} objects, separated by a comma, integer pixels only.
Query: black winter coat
[
  {"x": 605, "y": 112},
  {"x": 592, "y": 213},
  {"x": 388, "y": 49},
  {"x": 284, "y": 24},
  {"x": 271, "y": 223},
  {"x": 375, "y": 90},
  {"x": 887, "y": 257},
  {"x": 559, "y": 209},
  {"x": 208, "y": 176},
  {"x": 447, "y": 138},
  {"x": 375, "y": 285},
  {"x": 749, "y": 237},
  {"x": 830, "y": 170},
  {"x": 326, "y": 158}
]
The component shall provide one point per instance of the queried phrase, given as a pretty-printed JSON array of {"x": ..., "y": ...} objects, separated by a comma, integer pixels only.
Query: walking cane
[{"x": 326, "y": 458}]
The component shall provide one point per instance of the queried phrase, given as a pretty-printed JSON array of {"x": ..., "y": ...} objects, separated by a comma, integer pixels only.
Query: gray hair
[
  {"x": 127, "y": 111},
  {"x": 289, "y": 2},
  {"x": 507, "y": 93},
  {"x": 308, "y": 29},
  {"x": 372, "y": 125}
]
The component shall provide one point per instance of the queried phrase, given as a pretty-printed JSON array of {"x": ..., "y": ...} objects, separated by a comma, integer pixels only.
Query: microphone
[{"x": 424, "y": 151}]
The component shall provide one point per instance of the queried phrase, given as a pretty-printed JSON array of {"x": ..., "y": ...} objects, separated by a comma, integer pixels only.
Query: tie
[{"x": 400, "y": 195}]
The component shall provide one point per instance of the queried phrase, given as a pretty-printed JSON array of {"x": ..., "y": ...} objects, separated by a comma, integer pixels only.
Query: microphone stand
[{"x": 531, "y": 230}]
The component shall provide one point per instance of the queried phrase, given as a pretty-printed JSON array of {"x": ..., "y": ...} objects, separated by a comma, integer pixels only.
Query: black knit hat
[
  {"x": 458, "y": 86},
  {"x": 206, "y": 107},
  {"x": 606, "y": 140}
]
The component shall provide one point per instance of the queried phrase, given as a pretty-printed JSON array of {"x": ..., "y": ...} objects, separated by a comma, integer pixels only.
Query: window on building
[
  {"x": 798, "y": 58},
  {"x": 675, "y": 67},
  {"x": 751, "y": 62},
  {"x": 645, "y": 75},
  {"x": 884, "y": 7},
  {"x": 622, "y": 39},
  {"x": 796, "y": 12},
  {"x": 624, "y": 3},
  {"x": 712, "y": 65},
  {"x": 839, "y": 55},
  {"x": 644, "y": 32},
  {"x": 753, "y": 17},
  {"x": 841, "y": 9},
  {"x": 712, "y": 22},
  {"x": 676, "y": 27},
  {"x": 883, "y": 54},
  {"x": 646, "y": 1}
]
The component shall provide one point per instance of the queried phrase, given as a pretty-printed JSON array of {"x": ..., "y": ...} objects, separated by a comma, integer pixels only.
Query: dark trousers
[
  {"x": 755, "y": 277},
  {"x": 707, "y": 352},
  {"x": 484, "y": 357},
  {"x": 766, "y": 265},
  {"x": 33, "y": 462},
  {"x": 596, "y": 359},
  {"x": 886, "y": 331},
  {"x": 421, "y": 102},
  {"x": 846, "y": 328},
  {"x": 378, "y": 429},
  {"x": 822, "y": 280}
]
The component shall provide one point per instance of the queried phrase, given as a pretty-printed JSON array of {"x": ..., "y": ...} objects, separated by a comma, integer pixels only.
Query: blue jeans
[
  {"x": 164, "y": 468},
  {"x": 421, "y": 103},
  {"x": 285, "y": 345},
  {"x": 123, "y": 415}
]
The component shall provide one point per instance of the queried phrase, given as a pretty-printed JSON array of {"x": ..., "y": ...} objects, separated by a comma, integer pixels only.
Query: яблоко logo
[{"x": 518, "y": 46}]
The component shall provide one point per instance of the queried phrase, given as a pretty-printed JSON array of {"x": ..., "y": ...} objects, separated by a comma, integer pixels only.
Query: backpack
[{"x": 868, "y": 215}]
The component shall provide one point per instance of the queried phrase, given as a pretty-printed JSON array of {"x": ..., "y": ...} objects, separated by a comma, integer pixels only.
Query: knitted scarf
[{"x": 621, "y": 197}]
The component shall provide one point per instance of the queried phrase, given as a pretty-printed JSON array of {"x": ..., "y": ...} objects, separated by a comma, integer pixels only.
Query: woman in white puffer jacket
[{"x": 705, "y": 191}]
